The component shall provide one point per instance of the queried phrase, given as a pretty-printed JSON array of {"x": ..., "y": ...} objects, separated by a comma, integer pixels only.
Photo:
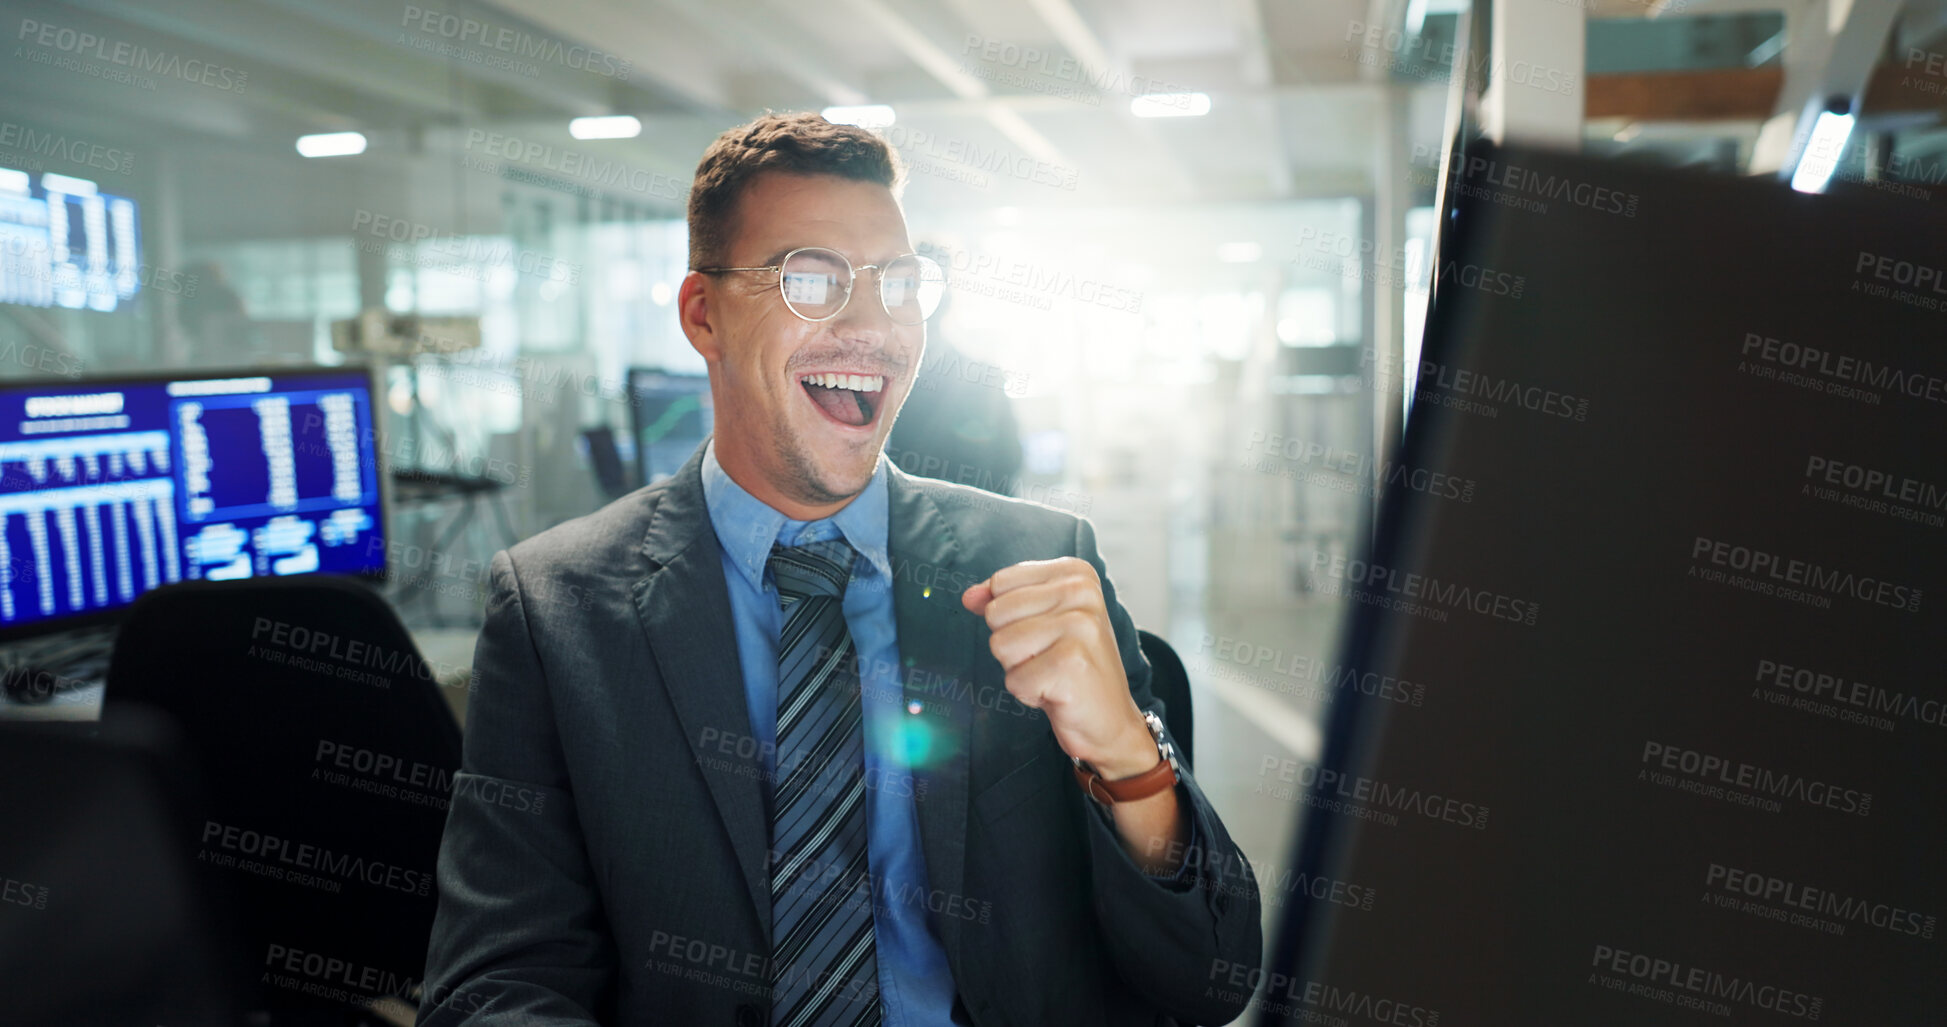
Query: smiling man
[{"x": 832, "y": 745}]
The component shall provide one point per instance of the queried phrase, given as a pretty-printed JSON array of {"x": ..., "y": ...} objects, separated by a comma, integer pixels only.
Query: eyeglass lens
[{"x": 815, "y": 285}]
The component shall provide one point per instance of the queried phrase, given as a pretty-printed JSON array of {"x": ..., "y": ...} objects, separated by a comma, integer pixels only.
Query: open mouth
[{"x": 850, "y": 399}]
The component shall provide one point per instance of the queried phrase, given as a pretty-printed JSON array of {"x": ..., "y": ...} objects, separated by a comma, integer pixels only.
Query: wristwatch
[{"x": 1163, "y": 775}]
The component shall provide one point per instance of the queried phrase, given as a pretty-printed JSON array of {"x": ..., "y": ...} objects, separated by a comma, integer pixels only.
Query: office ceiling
[{"x": 1041, "y": 86}]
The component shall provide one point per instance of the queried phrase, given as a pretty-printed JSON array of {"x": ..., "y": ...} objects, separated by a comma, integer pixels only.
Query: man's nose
[{"x": 865, "y": 314}]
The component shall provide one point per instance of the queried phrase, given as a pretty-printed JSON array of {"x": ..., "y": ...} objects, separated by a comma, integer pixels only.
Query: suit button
[{"x": 747, "y": 1016}]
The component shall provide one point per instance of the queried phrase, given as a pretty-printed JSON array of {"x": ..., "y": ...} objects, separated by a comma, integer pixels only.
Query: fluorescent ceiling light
[
  {"x": 612, "y": 126},
  {"x": 1821, "y": 157},
  {"x": 1240, "y": 252},
  {"x": 331, "y": 144},
  {"x": 1170, "y": 105},
  {"x": 15, "y": 181},
  {"x": 871, "y": 115}
]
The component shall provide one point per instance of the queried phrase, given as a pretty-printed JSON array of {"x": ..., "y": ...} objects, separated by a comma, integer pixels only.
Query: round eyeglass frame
[{"x": 852, "y": 280}]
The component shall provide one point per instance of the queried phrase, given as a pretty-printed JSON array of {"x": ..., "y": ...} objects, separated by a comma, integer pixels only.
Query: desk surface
[{"x": 449, "y": 651}]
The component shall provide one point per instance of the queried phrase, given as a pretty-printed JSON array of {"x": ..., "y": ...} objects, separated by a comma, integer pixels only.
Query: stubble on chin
[{"x": 811, "y": 484}]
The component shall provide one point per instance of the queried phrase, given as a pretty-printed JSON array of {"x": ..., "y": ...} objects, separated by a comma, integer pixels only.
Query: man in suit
[{"x": 795, "y": 738}]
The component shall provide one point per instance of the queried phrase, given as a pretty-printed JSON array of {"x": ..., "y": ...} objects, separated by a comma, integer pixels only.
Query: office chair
[
  {"x": 103, "y": 917},
  {"x": 327, "y": 756},
  {"x": 1170, "y": 682},
  {"x": 605, "y": 460}
]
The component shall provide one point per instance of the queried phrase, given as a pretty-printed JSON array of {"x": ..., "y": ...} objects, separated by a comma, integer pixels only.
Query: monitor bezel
[{"x": 99, "y": 618}]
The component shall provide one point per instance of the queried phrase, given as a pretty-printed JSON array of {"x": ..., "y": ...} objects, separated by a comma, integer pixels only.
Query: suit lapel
[
  {"x": 939, "y": 644},
  {"x": 684, "y": 608}
]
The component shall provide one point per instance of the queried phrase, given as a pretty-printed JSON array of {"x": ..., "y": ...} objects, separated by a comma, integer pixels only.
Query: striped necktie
[{"x": 824, "y": 968}]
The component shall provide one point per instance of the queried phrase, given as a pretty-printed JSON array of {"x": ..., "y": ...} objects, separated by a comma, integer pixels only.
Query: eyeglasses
[{"x": 816, "y": 282}]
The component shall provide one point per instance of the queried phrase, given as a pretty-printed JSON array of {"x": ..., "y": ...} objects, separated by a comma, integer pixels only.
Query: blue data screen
[{"x": 109, "y": 489}]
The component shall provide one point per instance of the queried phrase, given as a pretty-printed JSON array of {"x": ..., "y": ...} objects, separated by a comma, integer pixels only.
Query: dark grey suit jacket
[{"x": 604, "y": 855}]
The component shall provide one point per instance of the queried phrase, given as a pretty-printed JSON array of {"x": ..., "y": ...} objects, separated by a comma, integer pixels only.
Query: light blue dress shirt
[{"x": 914, "y": 980}]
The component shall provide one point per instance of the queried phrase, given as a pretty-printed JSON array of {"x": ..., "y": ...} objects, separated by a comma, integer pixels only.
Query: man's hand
[{"x": 1051, "y": 634}]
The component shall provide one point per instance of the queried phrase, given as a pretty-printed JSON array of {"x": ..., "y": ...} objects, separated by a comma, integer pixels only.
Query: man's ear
[{"x": 693, "y": 312}]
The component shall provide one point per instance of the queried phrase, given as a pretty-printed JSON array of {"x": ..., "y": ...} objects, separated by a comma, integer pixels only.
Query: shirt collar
[{"x": 747, "y": 526}]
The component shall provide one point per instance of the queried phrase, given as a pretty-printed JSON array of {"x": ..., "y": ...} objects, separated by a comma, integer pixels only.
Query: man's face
[{"x": 813, "y": 445}]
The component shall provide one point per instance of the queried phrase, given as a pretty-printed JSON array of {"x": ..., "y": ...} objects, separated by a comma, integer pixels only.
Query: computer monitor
[
  {"x": 1643, "y": 717},
  {"x": 65, "y": 243},
  {"x": 110, "y": 487},
  {"x": 670, "y": 415}
]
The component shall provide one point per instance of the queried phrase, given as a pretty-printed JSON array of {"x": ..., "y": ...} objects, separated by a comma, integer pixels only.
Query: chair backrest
[
  {"x": 1170, "y": 682},
  {"x": 327, "y": 755},
  {"x": 605, "y": 460},
  {"x": 103, "y": 913}
]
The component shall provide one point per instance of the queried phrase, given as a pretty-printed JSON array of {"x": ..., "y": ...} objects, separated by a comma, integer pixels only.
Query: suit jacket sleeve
[
  {"x": 520, "y": 936},
  {"x": 1171, "y": 944}
]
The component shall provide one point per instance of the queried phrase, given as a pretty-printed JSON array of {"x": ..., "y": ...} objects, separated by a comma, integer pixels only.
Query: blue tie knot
[{"x": 812, "y": 569}]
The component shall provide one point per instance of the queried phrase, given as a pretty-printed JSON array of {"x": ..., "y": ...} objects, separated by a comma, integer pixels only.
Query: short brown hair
[{"x": 802, "y": 143}]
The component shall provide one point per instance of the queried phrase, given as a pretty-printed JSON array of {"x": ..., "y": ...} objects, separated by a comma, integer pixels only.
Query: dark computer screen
[
  {"x": 112, "y": 487},
  {"x": 1674, "y": 754},
  {"x": 670, "y": 415}
]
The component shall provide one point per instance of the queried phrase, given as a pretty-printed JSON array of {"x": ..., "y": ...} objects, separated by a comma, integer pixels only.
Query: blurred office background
[{"x": 1182, "y": 239}]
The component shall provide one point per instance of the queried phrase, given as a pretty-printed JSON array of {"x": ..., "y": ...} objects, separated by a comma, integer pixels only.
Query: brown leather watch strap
[{"x": 1129, "y": 789}]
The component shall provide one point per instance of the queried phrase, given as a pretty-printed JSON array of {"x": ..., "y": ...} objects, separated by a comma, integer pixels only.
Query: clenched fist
[{"x": 1051, "y": 634}]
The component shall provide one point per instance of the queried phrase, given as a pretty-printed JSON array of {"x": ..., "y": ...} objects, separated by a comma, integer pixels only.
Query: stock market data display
[{"x": 111, "y": 488}]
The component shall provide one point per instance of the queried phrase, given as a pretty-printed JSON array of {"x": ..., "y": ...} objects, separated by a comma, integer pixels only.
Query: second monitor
[{"x": 112, "y": 487}]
